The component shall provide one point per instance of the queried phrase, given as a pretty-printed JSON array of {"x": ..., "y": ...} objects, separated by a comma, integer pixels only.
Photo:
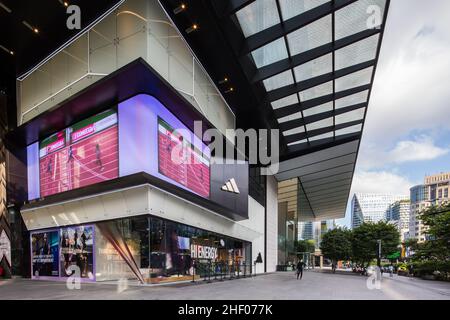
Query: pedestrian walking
[{"x": 300, "y": 266}]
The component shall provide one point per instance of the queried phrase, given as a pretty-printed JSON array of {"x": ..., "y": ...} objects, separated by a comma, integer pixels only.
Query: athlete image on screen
[
  {"x": 70, "y": 154},
  {"x": 98, "y": 156},
  {"x": 49, "y": 166}
]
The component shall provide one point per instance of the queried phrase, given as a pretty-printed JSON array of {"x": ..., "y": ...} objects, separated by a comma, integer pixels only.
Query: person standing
[{"x": 300, "y": 266}]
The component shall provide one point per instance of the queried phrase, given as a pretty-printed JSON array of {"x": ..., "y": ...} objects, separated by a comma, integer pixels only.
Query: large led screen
[
  {"x": 154, "y": 140},
  {"x": 181, "y": 161},
  {"x": 83, "y": 154}
]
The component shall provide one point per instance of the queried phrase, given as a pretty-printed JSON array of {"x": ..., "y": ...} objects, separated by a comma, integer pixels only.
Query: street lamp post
[{"x": 379, "y": 254}]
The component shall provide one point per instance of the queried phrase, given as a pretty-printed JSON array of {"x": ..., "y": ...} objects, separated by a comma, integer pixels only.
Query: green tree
[
  {"x": 336, "y": 245},
  {"x": 305, "y": 246},
  {"x": 365, "y": 242},
  {"x": 434, "y": 253}
]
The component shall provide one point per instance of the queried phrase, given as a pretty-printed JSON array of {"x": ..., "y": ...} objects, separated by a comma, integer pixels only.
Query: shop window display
[
  {"x": 77, "y": 248},
  {"x": 146, "y": 249}
]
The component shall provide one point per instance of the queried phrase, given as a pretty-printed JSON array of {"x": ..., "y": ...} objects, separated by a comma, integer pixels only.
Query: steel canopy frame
[{"x": 306, "y": 130}]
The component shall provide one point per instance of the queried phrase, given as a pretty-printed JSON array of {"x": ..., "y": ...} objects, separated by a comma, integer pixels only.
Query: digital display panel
[
  {"x": 83, "y": 154},
  {"x": 181, "y": 161},
  {"x": 183, "y": 243},
  {"x": 45, "y": 254}
]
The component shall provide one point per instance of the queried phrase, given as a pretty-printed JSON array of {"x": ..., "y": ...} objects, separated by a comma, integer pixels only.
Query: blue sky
[{"x": 407, "y": 130}]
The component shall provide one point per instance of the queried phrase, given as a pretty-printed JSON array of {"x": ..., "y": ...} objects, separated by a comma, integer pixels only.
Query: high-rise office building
[
  {"x": 372, "y": 207},
  {"x": 434, "y": 191},
  {"x": 305, "y": 230},
  {"x": 398, "y": 214}
]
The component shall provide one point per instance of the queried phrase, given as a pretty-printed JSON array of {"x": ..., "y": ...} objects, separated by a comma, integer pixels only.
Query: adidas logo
[{"x": 230, "y": 186}]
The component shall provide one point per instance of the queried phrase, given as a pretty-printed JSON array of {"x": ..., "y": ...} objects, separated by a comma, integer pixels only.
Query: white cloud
[
  {"x": 380, "y": 182},
  {"x": 421, "y": 149},
  {"x": 410, "y": 91}
]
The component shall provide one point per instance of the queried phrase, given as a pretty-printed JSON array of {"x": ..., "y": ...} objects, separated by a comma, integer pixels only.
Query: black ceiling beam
[
  {"x": 294, "y": 108},
  {"x": 317, "y": 132},
  {"x": 235, "y": 5},
  {"x": 302, "y": 149},
  {"x": 301, "y": 58},
  {"x": 288, "y": 125},
  {"x": 268, "y": 35},
  {"x": 310, "y": 83}
]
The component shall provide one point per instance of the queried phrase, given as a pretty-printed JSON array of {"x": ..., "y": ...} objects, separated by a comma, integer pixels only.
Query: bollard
[{"x": 209, "y": 271}]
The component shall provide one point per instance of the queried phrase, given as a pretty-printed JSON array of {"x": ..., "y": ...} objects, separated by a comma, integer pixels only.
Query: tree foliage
[
  {"x": 437, "y": 247},
  {"x": 305, "y": 246},
  {"x": 365, "y": 241},
  {"x": 336, "y": 244}
]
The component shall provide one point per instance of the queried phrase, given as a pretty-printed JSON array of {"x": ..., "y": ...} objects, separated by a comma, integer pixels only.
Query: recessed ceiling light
[
  {"x": 223, "y": 80},
  {"x": 180, "y": 8},
  {"x": 29, "y": 26},
  {"x": 192, "y": 28}
]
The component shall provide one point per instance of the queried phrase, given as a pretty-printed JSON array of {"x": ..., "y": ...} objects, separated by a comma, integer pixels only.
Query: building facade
[
  {"x": 399, "y": 213},
  {"x": 434, "y": 192},
  {"x": 111, "y": 177},
  {"x": 371, "y": 207},
  {"x": 305, "y": 230},
  {"x": 105, "y": 197}
]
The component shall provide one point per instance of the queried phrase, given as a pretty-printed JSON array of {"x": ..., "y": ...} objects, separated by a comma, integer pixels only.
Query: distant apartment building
[
  {"x": 434, "y": 191},
  {"x": 372, "y": 207},
  {"x": 320, "y": 228},
  {"x": 398, "y": 214},
  {"x": 305, "y": 230}
]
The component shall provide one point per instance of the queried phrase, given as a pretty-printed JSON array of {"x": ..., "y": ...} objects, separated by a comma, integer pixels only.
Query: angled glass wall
[{"x": 136, "y": 29}]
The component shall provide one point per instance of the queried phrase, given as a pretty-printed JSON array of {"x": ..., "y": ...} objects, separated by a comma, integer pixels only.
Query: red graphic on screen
[
  {"x": 90, "y": 156},
  {"x": 191, "y": 168}
]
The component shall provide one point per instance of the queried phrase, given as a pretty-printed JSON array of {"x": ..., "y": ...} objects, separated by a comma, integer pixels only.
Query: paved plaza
[{"x": 281, "y": 285}]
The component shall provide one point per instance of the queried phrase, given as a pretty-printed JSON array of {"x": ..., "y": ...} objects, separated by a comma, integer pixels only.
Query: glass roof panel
[
  {"x": 319, "y": 109},
  {"x": 279, "y": 80},
  {"x": 359, "y": 16},
  {"x": 270, "y": 53},
  {"x": 321, "y": 136},
  {"x": 297, "y": 142},
  {"x": 257, "y": 16},
  {"x": 354, "y": 79},
  {"x": 352, "y": 129},
  {"x": 320, "y": 124},
  {"x": 317, "y": 91},
  {"x": 360, "y": 97},
  {"x": 310, "y": 36},
  {"x": 292, "y": 8},
  {"x": 354, "y": 115},
  {"x": 294, "y": 131},
  {"x": 295, "y": 116},
  {"x": 314, "y": 68},
  {"x": 286, "y": 101},
  {"x": 357, "y": 52}
]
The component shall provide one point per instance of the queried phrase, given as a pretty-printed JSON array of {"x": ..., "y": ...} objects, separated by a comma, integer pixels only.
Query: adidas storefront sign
[{"x": 230, "y": 186}]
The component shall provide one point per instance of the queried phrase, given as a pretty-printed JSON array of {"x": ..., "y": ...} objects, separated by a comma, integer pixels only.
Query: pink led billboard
[
  {"x": 181, "y": 161},
  {"x": 81, "y": 155}
]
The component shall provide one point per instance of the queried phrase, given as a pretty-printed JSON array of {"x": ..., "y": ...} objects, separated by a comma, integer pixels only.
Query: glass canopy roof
[{"x": 316, "y": 61}]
